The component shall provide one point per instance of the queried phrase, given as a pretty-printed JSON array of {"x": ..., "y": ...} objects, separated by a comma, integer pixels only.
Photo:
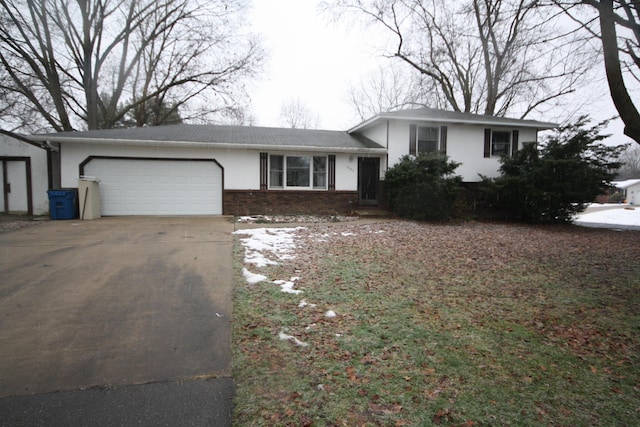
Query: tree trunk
[{"x": 619, "y": 93}]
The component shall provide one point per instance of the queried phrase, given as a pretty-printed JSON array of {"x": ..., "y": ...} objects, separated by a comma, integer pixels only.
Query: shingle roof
[
  {"x": 223, "y": 136},
  {"x": 444, "y": 116}
]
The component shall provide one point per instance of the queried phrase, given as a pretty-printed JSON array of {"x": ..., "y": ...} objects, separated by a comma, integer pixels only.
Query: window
[
  {"x": 500, "y": 143},
  {"x": 319, "y": 171},
  {"x": 276, "y": 171},
  {"x": 427, "y": 139},
  {"x": 297, "y": 171}
]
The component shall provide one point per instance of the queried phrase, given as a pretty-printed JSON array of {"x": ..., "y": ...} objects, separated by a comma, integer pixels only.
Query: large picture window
[{"x": 297, "y": 171}]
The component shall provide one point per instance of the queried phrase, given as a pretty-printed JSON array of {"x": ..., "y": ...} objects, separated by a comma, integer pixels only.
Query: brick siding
[{"x": 276, "y": 202}]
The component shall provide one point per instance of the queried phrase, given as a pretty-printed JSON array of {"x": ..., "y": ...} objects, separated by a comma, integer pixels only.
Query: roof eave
[
  {"x": 367, "y": 123},
  {"x": 215, "y": 145},
  {"x": 516, "y": 122}
]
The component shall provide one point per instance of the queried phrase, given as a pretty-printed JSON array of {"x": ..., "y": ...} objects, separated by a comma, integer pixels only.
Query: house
[
  {"x": 23, "y": 177},
  {"x": 631, "y": 190},
  {"x": 475, "y": 141},
  {"x": 234, "y": 170}
]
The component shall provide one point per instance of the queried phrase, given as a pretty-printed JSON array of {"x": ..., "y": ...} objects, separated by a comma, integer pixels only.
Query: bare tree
[
  {"x": 492, "y": 57},
  {"x": 630, "y": 160},
  {"x": 390, "y": 88},
  {"x": 89, "y": 63},
  {"x": 296, "y": 114},
  {"x": 617, "y": 25}
]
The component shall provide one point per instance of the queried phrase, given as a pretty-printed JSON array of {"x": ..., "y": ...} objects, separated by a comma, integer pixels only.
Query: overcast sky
[
  {"x": 311, "y": 59},
  {"x": 316, "y": 60}
]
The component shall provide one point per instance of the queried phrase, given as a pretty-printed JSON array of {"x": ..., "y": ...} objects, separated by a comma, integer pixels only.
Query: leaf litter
[{"x": 437, "y": 319}]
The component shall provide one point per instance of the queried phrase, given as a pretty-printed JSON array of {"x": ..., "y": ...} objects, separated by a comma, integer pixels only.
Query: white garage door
[{"x": 157, "y": 187}]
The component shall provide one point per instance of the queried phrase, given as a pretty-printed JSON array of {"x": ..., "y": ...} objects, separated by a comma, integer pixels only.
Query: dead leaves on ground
[{"x": 449, "y": 280}]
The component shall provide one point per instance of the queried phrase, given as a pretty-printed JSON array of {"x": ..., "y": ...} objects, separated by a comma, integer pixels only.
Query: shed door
[
  {"x": 157, "y": 186},
  {"x": 15, "y": 185}
]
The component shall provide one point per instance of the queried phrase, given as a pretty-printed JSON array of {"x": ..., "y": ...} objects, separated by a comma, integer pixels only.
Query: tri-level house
[{"x": 239, "y": 170}]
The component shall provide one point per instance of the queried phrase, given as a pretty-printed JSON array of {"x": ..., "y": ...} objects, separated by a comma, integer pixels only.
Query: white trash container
[{"x": 89, "y": 197}]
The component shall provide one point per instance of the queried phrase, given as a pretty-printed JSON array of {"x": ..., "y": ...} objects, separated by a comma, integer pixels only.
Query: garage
[{"x": 152, "y": 186}]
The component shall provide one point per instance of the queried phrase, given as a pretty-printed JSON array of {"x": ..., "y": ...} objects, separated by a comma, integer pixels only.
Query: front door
[{"x": 368, "y": 180}]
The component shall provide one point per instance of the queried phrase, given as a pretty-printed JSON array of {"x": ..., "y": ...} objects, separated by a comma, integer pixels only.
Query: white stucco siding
[
  {"x": 240, "y": 168},
  {"x": 633, "y": 194},
  {"x": 398, "y": 141},
  {"x": 10, "y": 147},
  {"x": 377, "y": 133},
  {"x": 346, "y": 172},
  {"x": 465, "y": 145}
]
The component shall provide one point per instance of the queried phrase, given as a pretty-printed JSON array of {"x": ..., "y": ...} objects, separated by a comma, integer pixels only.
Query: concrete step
[{"x": 373, "y": 212}]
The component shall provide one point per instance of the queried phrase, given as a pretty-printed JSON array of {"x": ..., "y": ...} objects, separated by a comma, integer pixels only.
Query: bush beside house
[
  {"x": 423, "y": 187},
  {"x": 552, "y": 183}
]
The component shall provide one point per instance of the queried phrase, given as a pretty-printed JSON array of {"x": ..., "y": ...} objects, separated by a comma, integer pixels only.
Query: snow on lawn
[
  {"x": 617, "y": 217},
  {"x": 287, "y": 286},
  {"x": 253, "y": 278},
  {"x": 270, "y": 246},
  {"x": 286, "y": 337},
  {"x": 276, "y": 242}
]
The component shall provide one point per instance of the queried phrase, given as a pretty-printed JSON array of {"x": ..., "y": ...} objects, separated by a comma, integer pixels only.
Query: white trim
[
  {"x": 216, "y": 145},
  {"x": 508, "y": 122}
]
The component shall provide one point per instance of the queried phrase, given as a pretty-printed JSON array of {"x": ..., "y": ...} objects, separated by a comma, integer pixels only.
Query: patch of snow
[
  {"x": 627, "y": 217},
  {"x": 286, "y": 337},
  {"x": 287, "y": 286},
  {"x": 303, "y": 304},
  {"x": 330, "y": 313},
  {"x": 257, "y": 259},
  {"x": 347, "y": 233},
  {"x": 252, "y": 278},
  {"x": 279, "y": 242}
]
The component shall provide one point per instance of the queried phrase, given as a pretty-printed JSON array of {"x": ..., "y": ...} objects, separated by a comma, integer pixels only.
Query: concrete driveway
[{"x": 114, "y": 301}]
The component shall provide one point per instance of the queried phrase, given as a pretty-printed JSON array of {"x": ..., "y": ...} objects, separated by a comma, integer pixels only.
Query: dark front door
[{"x": 368, "y": 180}]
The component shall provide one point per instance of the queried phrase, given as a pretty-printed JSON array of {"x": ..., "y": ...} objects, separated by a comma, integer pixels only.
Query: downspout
[
  {"x": 386, "y": 163},
  {"x": 53, "y": 166}
]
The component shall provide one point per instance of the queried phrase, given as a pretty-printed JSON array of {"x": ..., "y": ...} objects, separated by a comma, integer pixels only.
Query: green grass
[{"x": 439, "y": 325}]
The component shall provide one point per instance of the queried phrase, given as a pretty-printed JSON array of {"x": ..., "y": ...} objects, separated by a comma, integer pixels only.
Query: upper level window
[
  {"x": 427, "y": 139},
  {"x": 297, "y": 171},
  {"x": 500, "y": 143}
]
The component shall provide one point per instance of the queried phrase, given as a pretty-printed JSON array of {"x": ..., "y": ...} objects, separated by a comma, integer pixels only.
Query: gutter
[
  {"x": 504, "y": 122},
  {"x": 215, "y": 145}
]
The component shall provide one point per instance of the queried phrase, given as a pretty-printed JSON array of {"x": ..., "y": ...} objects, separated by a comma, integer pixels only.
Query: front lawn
[{"x": 401, "y": 323}]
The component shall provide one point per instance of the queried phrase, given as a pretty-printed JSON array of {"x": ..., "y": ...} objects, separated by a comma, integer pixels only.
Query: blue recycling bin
[{"x": 63, "y": 203}]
